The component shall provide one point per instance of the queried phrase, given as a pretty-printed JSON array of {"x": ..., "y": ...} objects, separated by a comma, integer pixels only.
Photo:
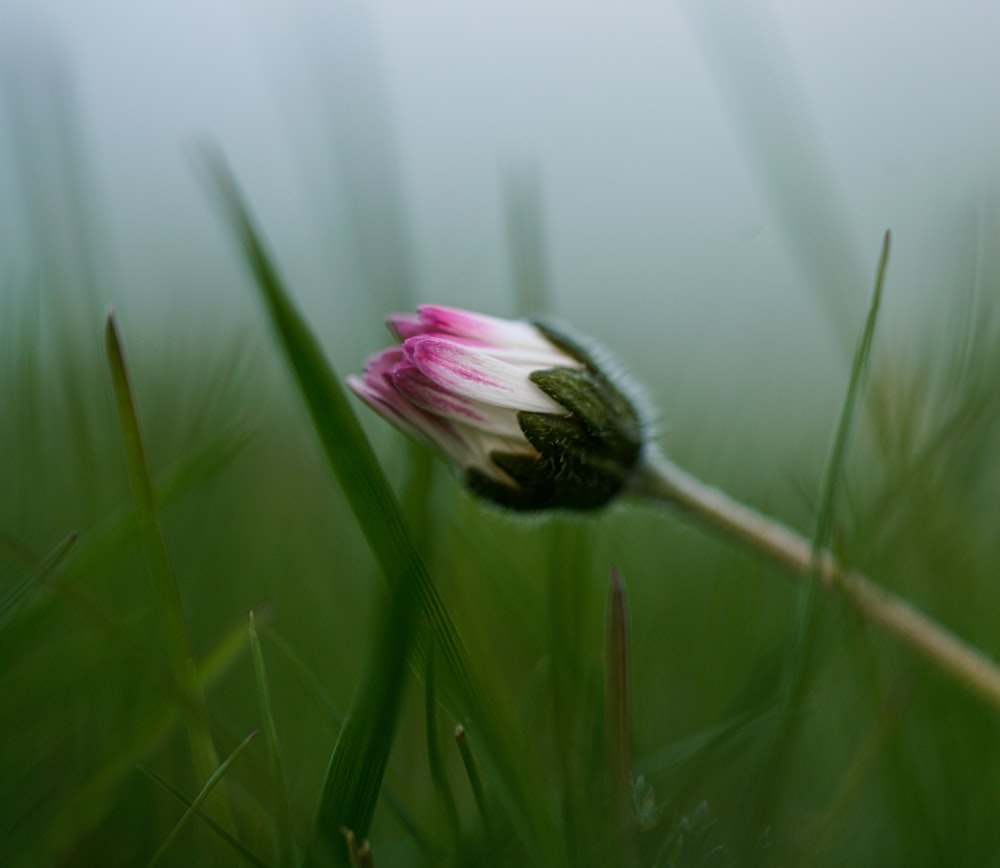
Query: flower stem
[{"x": 663, "y": 480}]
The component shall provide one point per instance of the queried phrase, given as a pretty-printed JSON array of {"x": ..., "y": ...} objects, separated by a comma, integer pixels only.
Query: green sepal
[
  {"x": 570, "y": 471},
  {"x": 583, "y": 472},
  {"x": 529, "y": 490},
  {"x": 602, "y": 410},
  {"x": 558, "y": 337},
  {"x": 584, "y": 458},
  {"x": 607, "y": 411}
]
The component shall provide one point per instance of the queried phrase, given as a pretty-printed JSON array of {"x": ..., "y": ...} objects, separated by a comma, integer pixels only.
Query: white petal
[
  {"x": 487, "y": 330},
  {"x": 482, "y": 443},
  {"x": 435, "y": 431},
  {"x": 478, "y": 375},
  {"x": 418, "y": 388}
]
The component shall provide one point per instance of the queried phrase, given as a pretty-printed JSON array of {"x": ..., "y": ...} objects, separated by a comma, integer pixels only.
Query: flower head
[{"x": 523, "y": 410}]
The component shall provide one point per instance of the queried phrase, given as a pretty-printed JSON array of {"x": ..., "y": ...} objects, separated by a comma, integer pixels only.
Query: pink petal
[
  {"x": 382, "y": 363},
  {"x": 534, "y": 358},
  {"x": 437, "y": 432},
  {"x": 486, "y": 330},
  {"x": 405, "y": 325},
  {"x": 415, "y": 386},
  {"x": 478, "y": 375},
  {"x": 386, "y": 402}
]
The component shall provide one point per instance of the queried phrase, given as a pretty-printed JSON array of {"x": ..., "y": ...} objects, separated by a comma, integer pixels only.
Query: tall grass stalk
[
  {"x": 161, "y": 568},
  {"x": 435, "y": 760},
  {"x": 475, "y": 783},
  {"x": 234, "y": 842},
  {"x": 283, "y": 808},
  {"x": 380, "y": 518},
  {"x": 202, "y": 796},
  {"x": 799, "y": 665},
  {"x": 618, "y": 716}
]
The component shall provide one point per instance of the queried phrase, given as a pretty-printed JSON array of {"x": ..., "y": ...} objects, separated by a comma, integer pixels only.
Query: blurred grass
[
  {"x": 798, "y": 667},
  {"x": 710, "y": 625},
  {"x": 891, "y": 764}
]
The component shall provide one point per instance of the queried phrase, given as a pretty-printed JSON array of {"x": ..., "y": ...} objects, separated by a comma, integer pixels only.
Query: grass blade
[
  {"x": 845, "y": 424},
  {"x": 357, "y": 766},
  {"x": 74, "y": 815},
  {"x": 283, "y": 812},
  {"x": 315, "y": 688},
  {"x": 37, "y": 572},
  {"x": 113, "y": 532},
  {"x": 158, "y": 560},
  {"x": 618, "y": 709},
  {"x": 886, "y": 721},
  {"x": 200, "y": 799},
  {"x": 380, "y": 518},
  {"x": 309, "y": 680},
  {"x": 92, "y": 611},
  {"x": 439, "y": 775},
  {"x": 800, "y": 661},
  {"x": 175, "y": 484},
  {"x": 475, "y": 784},
  {"x": 230, "y": 839}
]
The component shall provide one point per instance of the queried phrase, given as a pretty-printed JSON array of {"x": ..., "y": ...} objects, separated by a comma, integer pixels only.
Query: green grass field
[{"x": 766, "y": 728}]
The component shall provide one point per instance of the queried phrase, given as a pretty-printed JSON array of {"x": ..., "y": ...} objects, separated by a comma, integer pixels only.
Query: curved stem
[{"x": 663, "y": 480}]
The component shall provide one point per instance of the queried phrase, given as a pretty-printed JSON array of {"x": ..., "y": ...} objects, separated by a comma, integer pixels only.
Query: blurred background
[{"x": 703, "y": 187}]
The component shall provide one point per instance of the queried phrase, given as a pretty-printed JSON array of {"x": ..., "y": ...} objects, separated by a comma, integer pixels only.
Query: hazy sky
[{"x": 713, "y": 173}]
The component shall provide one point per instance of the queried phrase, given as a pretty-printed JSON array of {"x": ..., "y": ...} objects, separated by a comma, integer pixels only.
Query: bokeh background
[{"x": 703, "y": 187}]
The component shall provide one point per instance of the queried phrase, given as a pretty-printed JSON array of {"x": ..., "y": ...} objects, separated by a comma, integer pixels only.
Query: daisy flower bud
[{"x": 528, "y": 416}]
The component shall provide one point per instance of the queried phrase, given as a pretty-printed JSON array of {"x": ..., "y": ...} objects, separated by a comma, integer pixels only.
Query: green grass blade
[
  {"x": 202, "y": 796},
  {"x": 346, "y": 446},
  {"x": 18, "y": 554},
  {"x": 380, "y": 518},
  {"x": 571, "y": 698},
  {"x": 312, "y": 684},
  {"x": 37, "y": 573},
  {"x": 832, "y": 473},
  {"x": 92, "y": 611},
  {"x": 887, "y": 720},
  {"x": 475, "y": 783},
  {"x": 220, "y": 659},
  {"x": 202, "y": 464},
  {"x": 173, "y": 485},
  {"x": 283, "y": 812},
  {"x": 357, "y": 766},
  {"x": 315, "y": 688},
  {"x": 230, "y": 839},
  {"x": 158, "y": 560},
  {"x": 116, "y": 531},
  {"x": 800, "y": 660},
  {"x": 859, "y": 369},
  {"x": 618, "y": 713},
  {"x": 439, "y": 775},
  {"x": 75, "y": 815}
]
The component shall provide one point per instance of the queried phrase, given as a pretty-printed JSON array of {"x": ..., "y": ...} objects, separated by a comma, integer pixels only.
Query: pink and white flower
[{"x": 489, "y": 394}]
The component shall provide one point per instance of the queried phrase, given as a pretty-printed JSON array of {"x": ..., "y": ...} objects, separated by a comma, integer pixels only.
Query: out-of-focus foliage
[{"x": 885, "y": 761}]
